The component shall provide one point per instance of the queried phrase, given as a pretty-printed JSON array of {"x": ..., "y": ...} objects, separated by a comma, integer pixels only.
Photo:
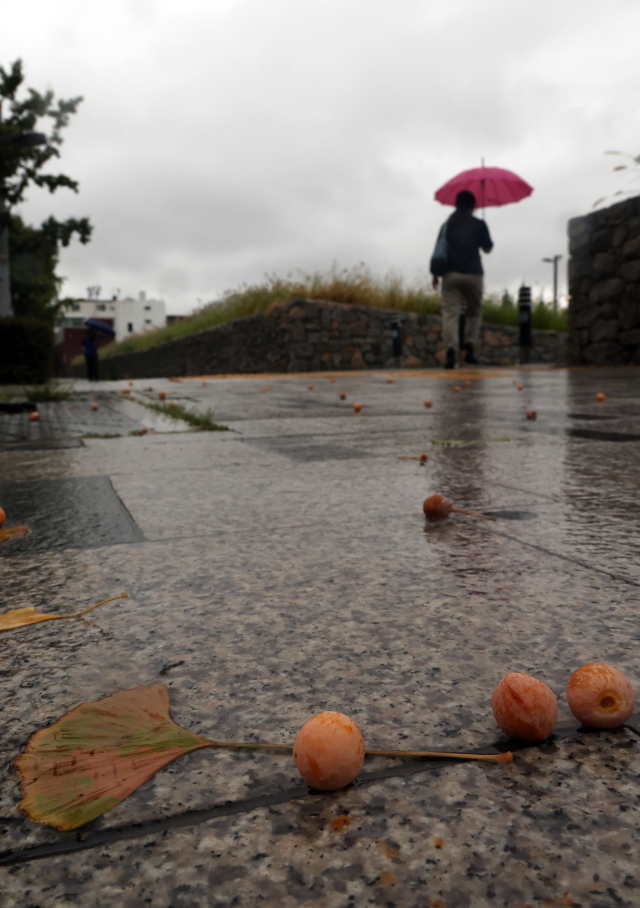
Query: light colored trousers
[{"x": 456, "y": 289}]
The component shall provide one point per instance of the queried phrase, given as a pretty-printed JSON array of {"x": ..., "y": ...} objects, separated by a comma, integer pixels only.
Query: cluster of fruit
[
  {"x": 598, "y": 695},
  {"x": 329, "y": 749}
]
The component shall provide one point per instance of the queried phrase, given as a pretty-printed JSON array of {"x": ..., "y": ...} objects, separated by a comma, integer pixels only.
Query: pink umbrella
[{"x": 490, "y": 185}]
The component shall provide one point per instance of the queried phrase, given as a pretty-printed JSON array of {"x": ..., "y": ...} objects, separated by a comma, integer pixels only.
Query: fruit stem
[
  {"x": 473, "y": 514},
  {"x": 492, "y": 758},
  {"x": 90, "y": 609}
]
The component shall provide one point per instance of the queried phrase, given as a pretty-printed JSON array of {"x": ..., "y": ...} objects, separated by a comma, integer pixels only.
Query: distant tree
[
  {"x": 34, "y": 251},
  {"x": 506, "y": 299}
]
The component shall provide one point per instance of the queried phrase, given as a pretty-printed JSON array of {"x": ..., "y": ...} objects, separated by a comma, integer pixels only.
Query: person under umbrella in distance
[
  {"x": 462, "y": 276},
  {"x": 90, "y": 349}
]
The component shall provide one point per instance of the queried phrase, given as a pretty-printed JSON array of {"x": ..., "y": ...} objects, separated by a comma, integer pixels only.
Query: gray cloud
[{"x": 222, "y": 140}]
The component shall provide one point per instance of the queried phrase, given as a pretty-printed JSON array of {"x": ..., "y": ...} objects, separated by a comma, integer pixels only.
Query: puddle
[
  {"x": 594, "y": 435},
  {"x": 84, "y": 512}
]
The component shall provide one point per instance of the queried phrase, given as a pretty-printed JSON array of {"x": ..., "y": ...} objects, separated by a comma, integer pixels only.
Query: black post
[{"x": 524, "y": 322}]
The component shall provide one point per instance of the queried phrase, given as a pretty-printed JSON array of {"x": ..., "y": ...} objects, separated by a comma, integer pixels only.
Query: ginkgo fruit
[
  {"x": 329, "y": 751},
  {"x": 600, "y": 696},
  {"x": 524, "y": 707}
]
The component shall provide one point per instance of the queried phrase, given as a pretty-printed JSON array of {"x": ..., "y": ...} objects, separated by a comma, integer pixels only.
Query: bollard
[
  {"x": 524, "y": 322},
  {"x": 396, "y": 341}
]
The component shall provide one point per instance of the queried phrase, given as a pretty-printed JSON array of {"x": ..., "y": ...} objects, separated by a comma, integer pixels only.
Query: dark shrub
[{"x": 26, "y": 351}]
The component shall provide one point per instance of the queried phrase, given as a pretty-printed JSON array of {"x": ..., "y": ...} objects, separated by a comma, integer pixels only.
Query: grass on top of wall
[{"x": 356, "y": 287}]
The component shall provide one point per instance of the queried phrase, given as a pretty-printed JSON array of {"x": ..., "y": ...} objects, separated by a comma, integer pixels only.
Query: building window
[
  {"x": 147, "y": 321},
  {"x": 75, "y": 307},
  {"x": 147, "y": 308},
  {"x": 130, "y": 327},
  {"x": 101, "y": 307}
]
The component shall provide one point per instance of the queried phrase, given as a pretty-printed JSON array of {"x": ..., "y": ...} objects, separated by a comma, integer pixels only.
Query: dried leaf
[
  {"x": 97, "y": 754},
  {"x": 13, "y": 532},
  {"x": 620, "y": 167},
  {"x": 19, "y": 617}
]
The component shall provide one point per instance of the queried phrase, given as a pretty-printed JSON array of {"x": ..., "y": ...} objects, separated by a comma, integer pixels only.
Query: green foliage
[
  {"x": 51, "y": 390},
  {"x": 543, "y": 316},
  {"x": 203, "y": 421},
  {"x": 33, "y": 250},
  {"x": 356, "y": 286},
  {"x": 26, "y": 351}
]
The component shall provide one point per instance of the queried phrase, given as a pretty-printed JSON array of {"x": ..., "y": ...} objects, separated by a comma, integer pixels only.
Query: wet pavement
[{"x": 284, "y": 567}]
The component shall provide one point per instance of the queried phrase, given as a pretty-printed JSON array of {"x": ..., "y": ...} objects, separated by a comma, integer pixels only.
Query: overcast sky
[{"x": 220, "y": 140}]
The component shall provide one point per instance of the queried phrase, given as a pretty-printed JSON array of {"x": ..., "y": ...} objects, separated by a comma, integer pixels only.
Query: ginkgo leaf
[
  {"x": 97, "y": 754},
  {"x": 13, "y": 532},
  {"x": 93, "y": 757},
  {"x": 19, "y": 617}
]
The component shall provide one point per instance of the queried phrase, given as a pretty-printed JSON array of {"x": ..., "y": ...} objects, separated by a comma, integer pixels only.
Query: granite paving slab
[{"x": 276, "y": 572}]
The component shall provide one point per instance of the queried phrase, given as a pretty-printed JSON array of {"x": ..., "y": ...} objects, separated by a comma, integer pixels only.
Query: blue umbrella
[{"x": 97, "y": 325}]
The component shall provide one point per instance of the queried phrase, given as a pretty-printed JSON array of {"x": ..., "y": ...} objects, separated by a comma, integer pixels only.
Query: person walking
[
  {"x": 462, "y": 277},
  {"x": 90, "y": 349}
]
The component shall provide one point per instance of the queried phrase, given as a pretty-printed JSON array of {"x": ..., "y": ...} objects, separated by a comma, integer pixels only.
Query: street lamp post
[
  {"x": 554, "y": 261},
  {"x": 26, "y": 139}
]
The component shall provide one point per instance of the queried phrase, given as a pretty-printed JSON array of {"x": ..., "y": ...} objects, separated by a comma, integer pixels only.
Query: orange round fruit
[
  {"x": 357, "y": 407},
  {"x": 162, "y": 395},
  {"x": 94, "y": 406},
  {"x": 600, "y": 396},
  {"x": 427, "y": 403},
  {"x": 333, "y": 381},
  {"x": 424, "y": 457},
  {"x": 520, "y": 387},
  {"x": 343, "y": 396},
  {"x": 311, "y": 387},
  {"x": 457, "y": 389},
  {"x": 3, "y": 517},
  {"x": 436, "y": 507},
  {"x": 468, "y": 384},
  {"x": 143, "y": 431},
  {"x": 34, "y": 416},
  {"x": 267, "y": 388},
  {"x": 131, "y": 384},
  {"x": 531, "y": 414},
  {"x": 600, "y": 696},
  {"x": 204, "y": 384},
  {"x": 524, "y": 707},
  {"x": 126, "y": 391},
  {"x": 329, "y": 751},
  {"x": 390, "y": 381}
]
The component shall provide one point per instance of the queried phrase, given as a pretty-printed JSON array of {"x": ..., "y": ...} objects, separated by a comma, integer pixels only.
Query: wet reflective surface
[{"x": 285, "y": 567}]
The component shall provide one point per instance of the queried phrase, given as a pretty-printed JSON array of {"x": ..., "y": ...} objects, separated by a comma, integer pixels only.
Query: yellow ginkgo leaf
[
  {"x": 19, "y": 617},
  {"x": 13, "y": 532}
]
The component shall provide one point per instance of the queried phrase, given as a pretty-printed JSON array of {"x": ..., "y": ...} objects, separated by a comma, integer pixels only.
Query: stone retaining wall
[
  {"x": 311, "y": 335},
  {"x": 604, "y": 285}
]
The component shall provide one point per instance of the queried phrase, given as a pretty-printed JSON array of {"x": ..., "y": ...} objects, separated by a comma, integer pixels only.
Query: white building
[{"x": 129, "y": 316}]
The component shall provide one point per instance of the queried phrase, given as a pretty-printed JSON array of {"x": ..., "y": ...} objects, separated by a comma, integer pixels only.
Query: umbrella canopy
[
  {"x": 491, "y": 186},
  {"x": 97, "y": 325}
]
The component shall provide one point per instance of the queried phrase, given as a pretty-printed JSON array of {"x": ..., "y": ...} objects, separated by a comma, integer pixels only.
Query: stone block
[
  {"x": 629, "y": 316},
  {"x": 357, "y": 360},
  {"x": 334, "y": 326},
  {"x": 577, "y": 227},
  {"x": 629, "y": 338},
  {"x": 359, "y": 328},
  {"x": 619, "y": 235},
  {"x": 605, "y": 290},
  {"x": 630, "y": 271},
  {"x": 494, "y": 337},
  {"x": 297, "y": 311},
  {"x": 602, "y": 265},
  {"x": 631, "y": 249},
  {"x": 603, "y": 330},
  {"x": 313, "y": 337},
  {"x": 602, "y": 352},
  {"x": 326, "y": 357},
  {"x": 412, "y": 362}
]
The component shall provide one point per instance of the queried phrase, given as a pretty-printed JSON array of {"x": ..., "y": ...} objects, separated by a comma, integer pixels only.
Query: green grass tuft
[
  {"x": 52, "y": 390},
  {"x": 203, "y": 421}
]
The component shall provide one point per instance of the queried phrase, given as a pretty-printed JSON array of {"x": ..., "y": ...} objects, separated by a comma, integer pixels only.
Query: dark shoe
[
  {"x": 451, "y": 359},
  {"x": 469, "y": 357}
]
